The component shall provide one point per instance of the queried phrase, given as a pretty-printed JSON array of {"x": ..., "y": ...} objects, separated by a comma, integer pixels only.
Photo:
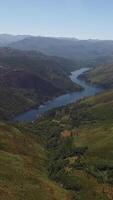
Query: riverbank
[
  {"x": 44, "y": 101},
  {"x": 62, "y": 100}
]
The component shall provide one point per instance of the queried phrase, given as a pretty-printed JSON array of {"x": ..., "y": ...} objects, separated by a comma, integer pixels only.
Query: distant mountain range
[
  {"x": 6, "y": 39},
  {"x": 85, "y": 52}
]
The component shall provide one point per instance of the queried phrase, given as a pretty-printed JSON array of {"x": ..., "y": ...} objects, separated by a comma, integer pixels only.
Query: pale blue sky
[{"x": 68, "y": 18}]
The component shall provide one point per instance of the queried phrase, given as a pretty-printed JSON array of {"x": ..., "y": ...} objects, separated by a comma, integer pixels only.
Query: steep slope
[{"x": 23, "y": 173}]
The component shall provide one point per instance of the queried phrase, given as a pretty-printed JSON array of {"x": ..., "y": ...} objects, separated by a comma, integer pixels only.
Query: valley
[
  {"x": 69, "y": 97},
  {"x": 63, "y": 150},
  {"x": 56, "y": 100}
]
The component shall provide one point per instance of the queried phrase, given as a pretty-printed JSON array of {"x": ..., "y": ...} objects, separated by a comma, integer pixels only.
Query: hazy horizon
[
  {"x": 57, "y": 37},
  {"x": 81, "y": 19}
]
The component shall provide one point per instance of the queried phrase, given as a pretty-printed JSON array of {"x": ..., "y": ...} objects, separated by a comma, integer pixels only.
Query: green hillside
[
  {"x": 23, "y": 173},
  {"x": 102, "y": 75},
  {"x": 13, "y": 101}
]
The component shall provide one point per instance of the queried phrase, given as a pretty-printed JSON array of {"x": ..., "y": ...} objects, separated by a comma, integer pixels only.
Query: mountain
[
  {"x": 85, "y": 52},
  {"x": 32, "y": 78}
]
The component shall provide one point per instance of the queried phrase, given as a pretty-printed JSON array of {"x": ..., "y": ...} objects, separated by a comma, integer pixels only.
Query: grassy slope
[
  {"x": 102, "y": 75},
  {"x": 23, "y": 172}
]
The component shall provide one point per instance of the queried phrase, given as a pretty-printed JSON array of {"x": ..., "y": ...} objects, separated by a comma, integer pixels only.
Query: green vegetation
[
  {"x": 23, "y": 173},
  {"x": 13, "y": 101},
  {"x": 102, "y": 75}
]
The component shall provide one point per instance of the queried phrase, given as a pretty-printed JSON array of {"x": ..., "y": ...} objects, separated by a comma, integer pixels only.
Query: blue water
[{"x": 89, "y": 90}]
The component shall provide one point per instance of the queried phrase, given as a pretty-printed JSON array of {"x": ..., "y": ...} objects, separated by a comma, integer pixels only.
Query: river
[{"x": 89, "y": 90}]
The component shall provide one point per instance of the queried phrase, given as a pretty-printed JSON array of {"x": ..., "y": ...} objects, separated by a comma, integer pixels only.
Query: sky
[{"x": 83, "y": 19}]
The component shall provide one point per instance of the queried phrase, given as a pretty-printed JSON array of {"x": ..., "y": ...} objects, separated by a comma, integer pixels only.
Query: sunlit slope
[
  {"x": 102, "y": 75},
  {"x": 23, "y": 172}
]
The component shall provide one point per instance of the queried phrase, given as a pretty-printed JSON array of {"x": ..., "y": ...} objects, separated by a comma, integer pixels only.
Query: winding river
[{"x": 89, "y": 90}]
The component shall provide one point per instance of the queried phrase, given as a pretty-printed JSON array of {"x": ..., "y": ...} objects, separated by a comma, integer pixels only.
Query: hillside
[
  {"x": 79, "y": 140},
  {"x": 23, "y": 173},
  {"x": 14, "y": 101},
  {"x": 32, "y": 78},
  {"x": 102, "y": 75}
]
